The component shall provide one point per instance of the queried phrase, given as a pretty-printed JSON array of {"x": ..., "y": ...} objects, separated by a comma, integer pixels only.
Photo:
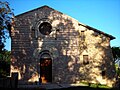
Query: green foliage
[
  {"x": 5, "y": 23},
  {"x": 5, "y": 57},
  {"x": 5, "y": 31},
  {"x": 93, "y": 85},
  {"x": 98, "y": 86},
  {"x": 116, "y": 53},
  {"x": 117, "y": 70}
]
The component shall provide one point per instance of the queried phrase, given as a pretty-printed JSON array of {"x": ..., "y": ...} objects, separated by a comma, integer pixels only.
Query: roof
[
  {"x": 89, "y": 27},
  {"x": 99, "y": 31},
  {"x": 45, "y": 6}
]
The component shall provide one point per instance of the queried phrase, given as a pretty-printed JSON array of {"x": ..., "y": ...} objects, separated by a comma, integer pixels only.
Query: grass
[
  {"x": 96, "y": 85},
  {"x": 99, "y": 86}
]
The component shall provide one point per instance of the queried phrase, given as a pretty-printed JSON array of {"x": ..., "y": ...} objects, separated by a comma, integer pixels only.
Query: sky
[{"x": 103, "y": 15}]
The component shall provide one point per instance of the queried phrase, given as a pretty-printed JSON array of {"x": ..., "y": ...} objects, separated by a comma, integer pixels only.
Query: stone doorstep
[{"x": 50, "y": 86}]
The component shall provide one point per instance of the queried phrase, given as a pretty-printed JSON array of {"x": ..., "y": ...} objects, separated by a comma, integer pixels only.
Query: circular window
[{"x": 45, "y": 28}]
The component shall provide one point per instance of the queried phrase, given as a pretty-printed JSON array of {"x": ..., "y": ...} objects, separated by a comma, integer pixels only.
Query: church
[{"x": 48, "y": 46}]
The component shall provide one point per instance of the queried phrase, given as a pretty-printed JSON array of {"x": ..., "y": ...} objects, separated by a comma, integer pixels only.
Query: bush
[
  {"x": 117, "y": 70},
  {"x": 5, "y": 63},
  {"x": 4, "y": 69}
]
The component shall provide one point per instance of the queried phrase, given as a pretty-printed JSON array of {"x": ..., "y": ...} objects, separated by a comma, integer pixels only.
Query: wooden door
[{"x": 45, "y": 70}]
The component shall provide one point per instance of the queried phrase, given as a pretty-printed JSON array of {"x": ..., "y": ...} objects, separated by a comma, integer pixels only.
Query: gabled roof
[
  {"x": 45, "y": 6},
  {"x": 89, "y": 27},
  {"x": 96, "y": 30}
]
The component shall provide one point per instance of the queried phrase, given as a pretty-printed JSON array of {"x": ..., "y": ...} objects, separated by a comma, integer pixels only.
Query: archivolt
[{"x": 52, "y": 50}]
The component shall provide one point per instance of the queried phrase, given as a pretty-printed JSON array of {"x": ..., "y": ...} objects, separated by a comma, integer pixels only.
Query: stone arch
[
  {"x": 45, "y": 54},
  {"x": 53, "y": 51}
]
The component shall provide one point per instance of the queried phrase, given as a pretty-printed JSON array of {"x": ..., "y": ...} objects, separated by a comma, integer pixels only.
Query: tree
[
  {"x": 116, "y": 54},
  {"x": 5, "y": 63},
  {"x": 6, "y": 15}
]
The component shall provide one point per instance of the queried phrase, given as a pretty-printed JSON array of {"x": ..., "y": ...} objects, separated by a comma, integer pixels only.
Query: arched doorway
[{"x": 45, "y": 68}]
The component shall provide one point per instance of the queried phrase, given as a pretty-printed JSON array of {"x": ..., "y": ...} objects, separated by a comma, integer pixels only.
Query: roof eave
[{"x": 91, "y": 28}]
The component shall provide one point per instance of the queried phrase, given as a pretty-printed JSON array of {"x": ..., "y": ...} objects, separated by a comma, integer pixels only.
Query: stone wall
[{"x": 67, "y": 43}]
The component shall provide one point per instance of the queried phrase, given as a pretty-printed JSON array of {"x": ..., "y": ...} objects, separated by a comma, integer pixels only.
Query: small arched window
[{"x": 45, "y": 28}]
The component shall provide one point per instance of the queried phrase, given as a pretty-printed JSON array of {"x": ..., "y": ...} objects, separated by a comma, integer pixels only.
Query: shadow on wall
[
  {"x": 65, "y": 62},
  {"x": 67, "y": 42},
  {"x": 105, "y": 63}
]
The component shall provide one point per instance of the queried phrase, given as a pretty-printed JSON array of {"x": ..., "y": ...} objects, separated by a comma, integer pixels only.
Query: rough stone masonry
[{"x": 51, "y": 47}]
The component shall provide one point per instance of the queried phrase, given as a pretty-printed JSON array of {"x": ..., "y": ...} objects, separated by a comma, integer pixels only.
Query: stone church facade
[{"x": 51, "y": 47}]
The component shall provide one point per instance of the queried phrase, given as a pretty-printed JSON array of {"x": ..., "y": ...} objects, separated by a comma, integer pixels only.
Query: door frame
[{"x": 42, "y": 56}]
